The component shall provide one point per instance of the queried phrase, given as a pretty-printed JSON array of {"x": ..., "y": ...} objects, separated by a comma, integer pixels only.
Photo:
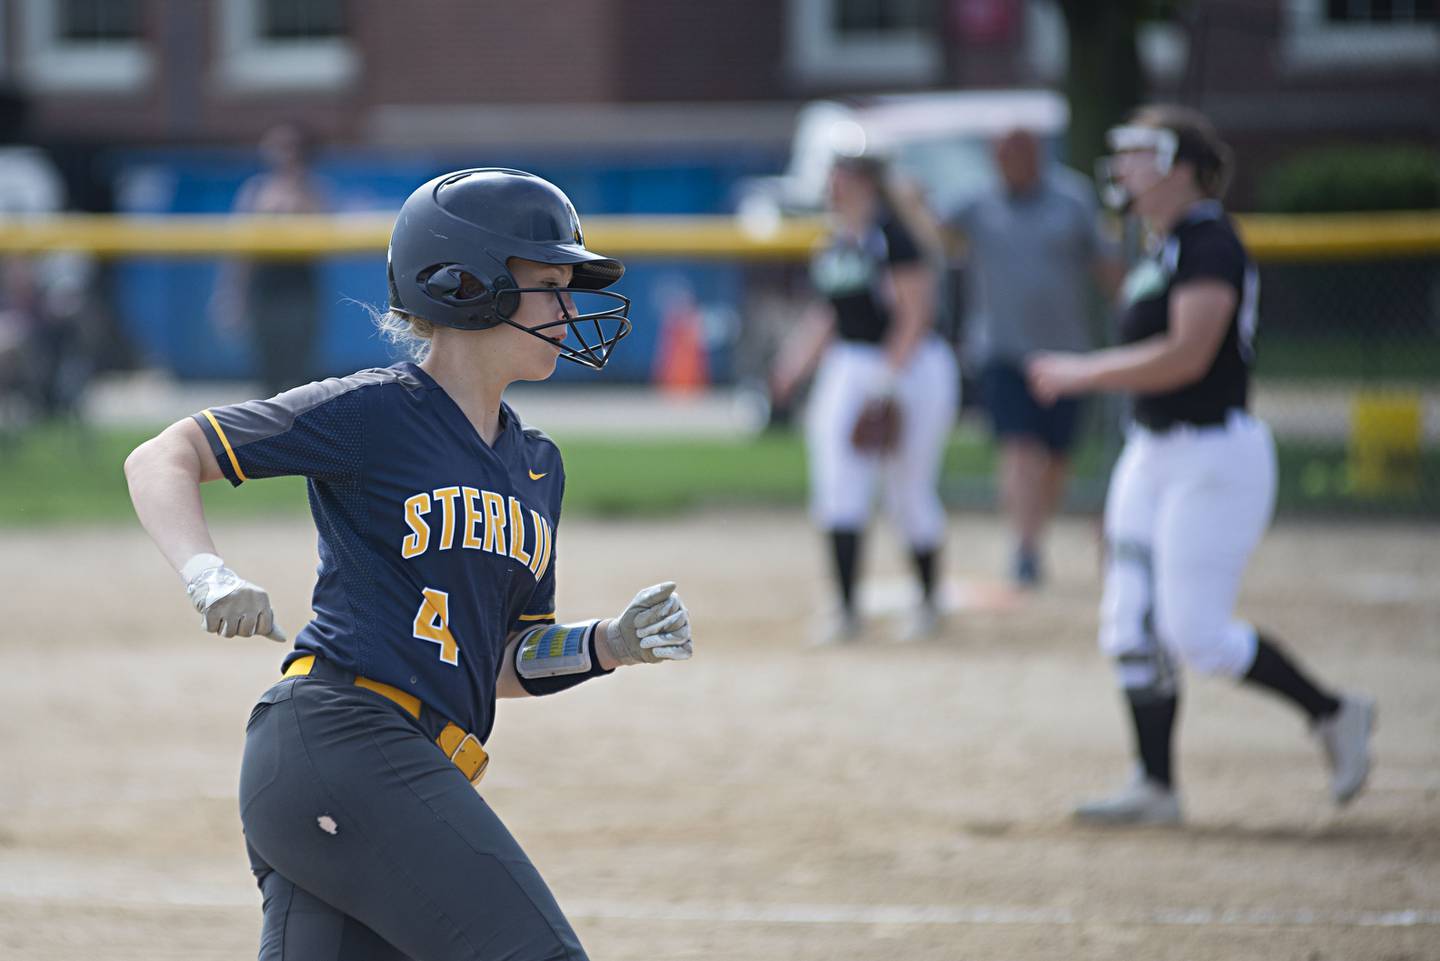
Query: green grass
[
  {"x": 60, "y": 474},
  {"x": 57, "y": 475},
  {"x": 54, "y": 474},
  {"x": 617, "y": 476}
]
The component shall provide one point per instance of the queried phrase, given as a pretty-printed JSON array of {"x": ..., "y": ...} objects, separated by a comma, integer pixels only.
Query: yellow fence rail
[
  {"x": 182, "y": 235},
  {"x": 1313, "y": 237}
]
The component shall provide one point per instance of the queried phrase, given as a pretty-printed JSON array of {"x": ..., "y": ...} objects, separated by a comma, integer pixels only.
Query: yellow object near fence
[
  {"x": 1308, "y": 237},
  {"x": 1385, "y": 434}
]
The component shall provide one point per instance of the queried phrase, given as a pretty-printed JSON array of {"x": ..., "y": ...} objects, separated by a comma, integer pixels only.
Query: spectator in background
[
  {"x": 277, "y": 302},
  {"x": 1034, "y": 244},
  {"x": 48, "y": 330}
]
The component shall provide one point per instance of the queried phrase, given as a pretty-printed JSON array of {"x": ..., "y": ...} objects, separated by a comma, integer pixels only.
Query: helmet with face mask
[
  {"x": 451, "y": 246},
  {"x": 1146, "y": 148},
  {"x": 1149, "y": 152}
]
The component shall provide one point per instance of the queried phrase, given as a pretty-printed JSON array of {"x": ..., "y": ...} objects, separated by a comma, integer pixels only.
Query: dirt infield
[{"x": 768, "y": 800}]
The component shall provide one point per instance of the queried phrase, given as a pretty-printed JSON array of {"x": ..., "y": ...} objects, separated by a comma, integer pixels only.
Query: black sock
[
  {"x": 1276, "y": 672},
  {"x": 1154, "y": 717},
  {"x": 845, "y": 549},
  {"x": 925, "y": 570}
]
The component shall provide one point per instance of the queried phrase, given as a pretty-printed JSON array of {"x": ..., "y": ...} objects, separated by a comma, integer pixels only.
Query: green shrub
[{"x": 1337, "y": 179}]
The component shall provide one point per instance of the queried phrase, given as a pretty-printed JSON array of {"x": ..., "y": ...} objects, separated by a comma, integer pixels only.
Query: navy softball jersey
[{"x": 434, "y": 546}]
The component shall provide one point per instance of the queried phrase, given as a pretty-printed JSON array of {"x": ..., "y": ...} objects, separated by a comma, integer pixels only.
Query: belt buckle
[{"x": 464, "y": 755}]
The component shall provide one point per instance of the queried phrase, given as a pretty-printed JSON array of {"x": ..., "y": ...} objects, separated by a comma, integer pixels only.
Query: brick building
[
  {"x": 645, "y": 106},
  {"x": 1275, "y": 74}
]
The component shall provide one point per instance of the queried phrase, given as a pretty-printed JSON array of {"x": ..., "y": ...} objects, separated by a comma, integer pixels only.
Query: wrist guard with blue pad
[{"x": 553, "y": 657}]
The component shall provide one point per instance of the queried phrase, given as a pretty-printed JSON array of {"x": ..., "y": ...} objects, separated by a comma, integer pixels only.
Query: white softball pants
[
  {"x": 1185, "y": 510},
  {"x": 842, "y": 480}
]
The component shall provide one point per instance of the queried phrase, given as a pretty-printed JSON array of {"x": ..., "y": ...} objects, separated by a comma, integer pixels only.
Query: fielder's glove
[
  {"x": 877, "y": 428},
  {"x": 228, "y": 604},
  {"x": 655, "y": 627}
]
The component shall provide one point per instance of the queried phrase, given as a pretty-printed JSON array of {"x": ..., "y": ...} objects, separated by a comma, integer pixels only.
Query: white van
[{"x": 941, "y": 141}]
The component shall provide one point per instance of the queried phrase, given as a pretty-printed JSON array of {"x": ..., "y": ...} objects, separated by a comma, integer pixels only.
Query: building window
[
  {"x": 1381, "y": 11},
  {"x": 91, "y": 21},
  {"x": 860, "y": 17},
  {"x": 863, "y": 41},
  {"x": 1360, "y": 34},
  {"x": 85, "y": 46},
  {"x": 302, "y": 19},
  {"x": 269, "y": 45}
]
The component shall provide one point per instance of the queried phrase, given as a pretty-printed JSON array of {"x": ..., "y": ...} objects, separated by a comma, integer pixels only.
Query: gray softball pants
[{"x": 368, "y": 844}]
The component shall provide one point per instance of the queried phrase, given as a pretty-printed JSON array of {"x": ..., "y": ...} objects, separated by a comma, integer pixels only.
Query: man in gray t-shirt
[{"x": 1036, "y": 247}]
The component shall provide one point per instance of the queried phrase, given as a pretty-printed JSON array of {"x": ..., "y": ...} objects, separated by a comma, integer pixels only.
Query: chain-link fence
[
  {"x": 1347, "y": 372},
  {"x": 1348, "y": 369},
  {"x": 1348, "y": 376}
]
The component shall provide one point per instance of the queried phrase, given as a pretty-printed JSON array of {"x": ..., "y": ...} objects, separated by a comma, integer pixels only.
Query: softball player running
[
  {"x": 874, "y": 338},
  {"x": 437, "y": 512},
  {"x": 1194, "y": 488}
]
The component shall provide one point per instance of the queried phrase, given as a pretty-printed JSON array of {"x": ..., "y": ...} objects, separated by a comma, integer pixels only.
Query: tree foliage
[{"x": 1104, "y": 80}]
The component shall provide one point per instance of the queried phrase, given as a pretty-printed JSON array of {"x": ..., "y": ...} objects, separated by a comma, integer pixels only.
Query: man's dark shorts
[{"x": 1014, "y": 411}]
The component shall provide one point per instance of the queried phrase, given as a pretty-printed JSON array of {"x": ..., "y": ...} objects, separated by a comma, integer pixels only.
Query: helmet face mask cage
[
  {"x": 595, "y": 331},
  {"x": 590, "y": 353},
  {"x": 1126, "y": 141}
]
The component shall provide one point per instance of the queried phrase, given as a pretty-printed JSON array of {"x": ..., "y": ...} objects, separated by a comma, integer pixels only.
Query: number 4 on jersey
[{"x": 432, "y": 623}]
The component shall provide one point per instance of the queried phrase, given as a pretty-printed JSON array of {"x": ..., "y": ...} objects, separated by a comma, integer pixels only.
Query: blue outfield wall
[{"x": 163, "y": 302}]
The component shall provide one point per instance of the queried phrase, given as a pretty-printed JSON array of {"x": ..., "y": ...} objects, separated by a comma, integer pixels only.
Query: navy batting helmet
[{"x": 454, "y": 237}]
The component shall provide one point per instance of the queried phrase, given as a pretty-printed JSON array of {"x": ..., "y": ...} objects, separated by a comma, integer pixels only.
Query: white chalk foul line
[
  {"x": 953, "y": 915},
  {"x": 740, "y": 912}
]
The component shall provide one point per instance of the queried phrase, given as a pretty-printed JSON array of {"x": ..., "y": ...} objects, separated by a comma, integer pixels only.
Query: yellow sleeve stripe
[
  {"x": 538, "y": 617},
  {"x": 220, "y": 433}
]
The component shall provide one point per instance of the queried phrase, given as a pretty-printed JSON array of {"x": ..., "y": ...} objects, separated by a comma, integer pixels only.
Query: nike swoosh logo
[{"x": 535, "y": 476}]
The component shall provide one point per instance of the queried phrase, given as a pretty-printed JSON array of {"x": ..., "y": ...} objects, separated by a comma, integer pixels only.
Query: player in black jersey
[
  {"x": 437, "y": 512},
  {"x": 1194, "y": 488},
  {"x": 874, "y": 340}
]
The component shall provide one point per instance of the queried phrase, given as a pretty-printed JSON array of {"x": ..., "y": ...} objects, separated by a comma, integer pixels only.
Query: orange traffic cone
[{"x": 681, "y": 363}]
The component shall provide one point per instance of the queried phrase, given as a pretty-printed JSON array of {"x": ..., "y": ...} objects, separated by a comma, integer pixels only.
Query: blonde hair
[
  {"x": 408, "y": 334},
  {"x": 906, "y": 201}
]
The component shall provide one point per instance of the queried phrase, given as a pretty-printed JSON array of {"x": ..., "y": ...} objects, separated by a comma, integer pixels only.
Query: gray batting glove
[
  {"x": 228, "y": 604},
  {"x": 655, "y": 627}
]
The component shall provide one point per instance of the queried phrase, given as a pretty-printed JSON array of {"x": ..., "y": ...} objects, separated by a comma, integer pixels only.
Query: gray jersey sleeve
[{"x": 316, "y": 430}]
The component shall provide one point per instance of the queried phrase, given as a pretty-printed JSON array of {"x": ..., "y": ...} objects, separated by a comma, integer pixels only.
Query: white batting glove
[
  {"x": 228, "y": 604},
  {"x": 655, "y": 627}
]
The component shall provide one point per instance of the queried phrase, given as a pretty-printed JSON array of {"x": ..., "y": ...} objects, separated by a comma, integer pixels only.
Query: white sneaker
[
  {"x": 1345, "y": 736},
  {"x": 1142, "y": 801},
  {"x": 926, "y": 622},
  {"x": 835, "y": 629}
]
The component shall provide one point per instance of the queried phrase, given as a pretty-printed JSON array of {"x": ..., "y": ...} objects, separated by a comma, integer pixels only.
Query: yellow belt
[{"x": 464, "y": 749}]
